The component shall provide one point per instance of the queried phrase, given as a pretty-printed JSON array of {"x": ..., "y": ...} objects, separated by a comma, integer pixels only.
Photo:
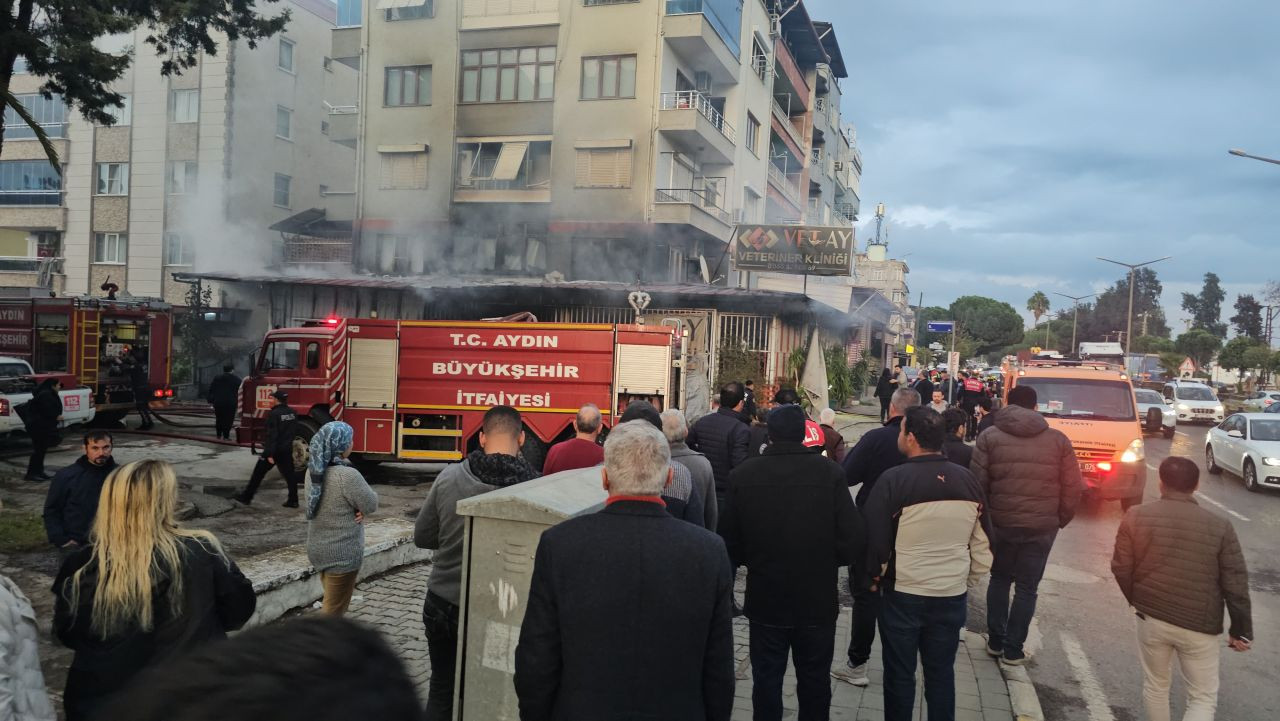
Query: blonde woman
[
  {"x": 143, "y": 591},
  {"x": 338, "y": 498}
]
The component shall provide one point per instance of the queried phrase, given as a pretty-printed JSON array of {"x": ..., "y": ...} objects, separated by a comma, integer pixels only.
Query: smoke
[{"x": 219, "y": 231}]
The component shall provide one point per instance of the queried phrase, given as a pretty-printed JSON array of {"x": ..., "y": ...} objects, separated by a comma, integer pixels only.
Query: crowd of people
[{"x": 629, "y": 611}]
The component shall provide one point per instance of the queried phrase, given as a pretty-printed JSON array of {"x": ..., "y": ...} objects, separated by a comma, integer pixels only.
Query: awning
[
  {"x": 616, "y": 143},
  {"x": 392, "y": 4},
  {"x": 509, "y": 161},
  {"x": 417, "y": 148},
  {"x": 467, "y": 139}
]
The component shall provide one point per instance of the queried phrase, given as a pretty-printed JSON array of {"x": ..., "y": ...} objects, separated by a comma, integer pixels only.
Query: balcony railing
[
  {"x": 311, "y": 250},
  {"x": 848, "y": 211},
  {"x": 708, "y": 200},
  {"x": 341, "y": 109},
  {"x": 30, "y": 197},
  {"x": 791, "y": 187},
  {"x": 22, "y": 131},
  {"x": 692, "y": 99}
]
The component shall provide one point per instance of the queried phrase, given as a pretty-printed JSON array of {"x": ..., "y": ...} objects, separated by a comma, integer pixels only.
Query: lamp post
[
  {"x": 1075, "y": 314},
  {"x": 1241, "y": 154},
  {"x": 1133, "y": 269}
]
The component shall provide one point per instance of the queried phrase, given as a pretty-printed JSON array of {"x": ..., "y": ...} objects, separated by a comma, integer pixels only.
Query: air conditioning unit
[
  {"x": 702, "y": 82},
  {"x": 839, "y": 165},
  {"x": 775, "y": 24}
]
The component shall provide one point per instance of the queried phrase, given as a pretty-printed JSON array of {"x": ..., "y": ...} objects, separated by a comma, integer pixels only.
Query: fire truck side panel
[{"x": 546, "y": 371}]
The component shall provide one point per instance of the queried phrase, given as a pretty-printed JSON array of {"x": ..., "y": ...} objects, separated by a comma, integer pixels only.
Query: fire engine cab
[{"x": 418, "y": 390}]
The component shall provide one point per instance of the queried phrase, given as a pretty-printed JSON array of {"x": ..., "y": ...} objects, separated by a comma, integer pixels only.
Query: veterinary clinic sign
[{"x": 794, "y": 249}]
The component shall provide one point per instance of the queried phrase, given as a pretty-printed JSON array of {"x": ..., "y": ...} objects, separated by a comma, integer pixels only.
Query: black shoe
[
  {"x": 291, "y": 503},
  {"x": 242, "y": 498},
  {"x": 38, "y": 477}
]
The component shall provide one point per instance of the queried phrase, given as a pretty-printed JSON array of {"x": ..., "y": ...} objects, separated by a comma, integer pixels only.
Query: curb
[{"x": 1022, "y": 692}]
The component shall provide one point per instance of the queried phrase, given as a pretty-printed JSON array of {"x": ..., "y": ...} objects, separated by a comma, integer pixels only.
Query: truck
[
  {"x": 418, "y": 390},
  {"x": 88, "y": 339},
  {"x": 18, "y": 382}
]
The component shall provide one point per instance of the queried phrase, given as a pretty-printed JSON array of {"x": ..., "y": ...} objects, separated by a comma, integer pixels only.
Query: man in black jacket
[
  {"x": 223, "y": 392},
  {"x": 789, "y": 519},
  {"x": 929, "y": 543},
  {"x": 140, "y": 383},
  {"x": 629, "y": 612},
  {"x": 277, "y": 452},
  {"x": 72, "y": 501},
  {"x": 953, "y": 445},
  {"x": 876, "y": 452},
  {"x": 722, "y": 437}
]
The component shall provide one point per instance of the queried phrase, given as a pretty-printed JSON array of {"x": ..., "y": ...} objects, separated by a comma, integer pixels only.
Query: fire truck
[
  {"x": 418, "y": 390},
  {"x": 90, "y": 339}
]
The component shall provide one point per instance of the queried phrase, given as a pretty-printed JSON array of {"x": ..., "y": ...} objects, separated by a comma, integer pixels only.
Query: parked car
[
  {"x": 1194, "y": 402},
  {"x": 1273, "y": 408},
  {"x": 1157, "y": 416},
  {"x": 1259, "y": 401},
  {"x": 1247, "y": 444},
  {"x": 17, "y": 383}
]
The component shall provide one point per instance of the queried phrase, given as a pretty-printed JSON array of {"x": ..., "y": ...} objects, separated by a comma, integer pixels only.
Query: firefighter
[
  {"x": 277, "y": 452},
  {"x": 974, "y": 392},
  {"x": 141, "y": 385}
]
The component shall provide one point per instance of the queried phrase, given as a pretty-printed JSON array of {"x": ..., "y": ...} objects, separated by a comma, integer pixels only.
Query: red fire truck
[
  {"x": 89, "y": 338},
  {"x": 417, "y": 390}
]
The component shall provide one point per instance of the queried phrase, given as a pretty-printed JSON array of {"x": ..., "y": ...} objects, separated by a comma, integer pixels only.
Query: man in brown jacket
[
  {"x": 1031, "y": 477},
  {"x": 1178, "y": 565}
]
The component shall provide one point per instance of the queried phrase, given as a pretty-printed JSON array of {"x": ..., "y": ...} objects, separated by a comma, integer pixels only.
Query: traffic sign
[
  {"x": 940, "y": 326},
  {"x": 910, "y": 349}
]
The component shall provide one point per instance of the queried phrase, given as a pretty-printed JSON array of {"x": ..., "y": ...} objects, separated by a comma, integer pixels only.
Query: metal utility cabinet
[{"x": 502, "y": 532}]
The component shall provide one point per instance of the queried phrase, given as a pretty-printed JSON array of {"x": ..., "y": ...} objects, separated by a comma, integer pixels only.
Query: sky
[{"x": 1012, "y": 142}]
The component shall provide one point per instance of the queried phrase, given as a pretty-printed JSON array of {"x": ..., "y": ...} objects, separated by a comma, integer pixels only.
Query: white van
[{"x": 1194, "y": 402}]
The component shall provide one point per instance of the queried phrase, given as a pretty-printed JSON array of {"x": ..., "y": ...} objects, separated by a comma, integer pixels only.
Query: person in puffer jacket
[
  {"x": 23, "y": 696},
  {"x": 722, "y": 437},
  {"x": 1031, "y": 478}
]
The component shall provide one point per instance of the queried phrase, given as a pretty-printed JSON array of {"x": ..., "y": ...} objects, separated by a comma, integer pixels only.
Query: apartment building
[
  {"x": 195, "y": 171},
  {"x": 593, "y": 140}
]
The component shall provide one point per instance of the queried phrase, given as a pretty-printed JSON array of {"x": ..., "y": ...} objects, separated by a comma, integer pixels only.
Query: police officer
[{"x": 277, "y": 451}]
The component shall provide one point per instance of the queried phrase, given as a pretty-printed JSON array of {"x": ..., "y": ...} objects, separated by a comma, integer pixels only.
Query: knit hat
[
  {"x": 642, "y": 411},
  {"x": 786, "y": 424}
]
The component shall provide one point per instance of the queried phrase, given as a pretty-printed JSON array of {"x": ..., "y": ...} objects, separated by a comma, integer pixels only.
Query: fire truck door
[{"x": 371, "y": 393}]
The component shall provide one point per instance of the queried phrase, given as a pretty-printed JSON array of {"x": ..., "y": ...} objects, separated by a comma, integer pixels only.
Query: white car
[
  {"x": 1149, "y": 400},
  {"x": 1247, "y": 444},
  {"x": 1194, "y": 402},
  {"x": 1259, "y": 401}
]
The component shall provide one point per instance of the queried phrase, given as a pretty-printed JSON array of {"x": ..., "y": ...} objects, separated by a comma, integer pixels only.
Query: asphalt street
[{"x": 1084, "y": 652}]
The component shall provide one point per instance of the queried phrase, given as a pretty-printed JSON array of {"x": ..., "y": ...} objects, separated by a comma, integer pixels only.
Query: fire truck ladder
[{"x": 89, "y": 351}]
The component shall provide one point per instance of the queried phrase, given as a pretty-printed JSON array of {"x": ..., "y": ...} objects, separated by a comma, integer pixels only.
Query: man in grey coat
[
  {"x": 496, "y": 464},
  {"x": 676, "y": 429}
]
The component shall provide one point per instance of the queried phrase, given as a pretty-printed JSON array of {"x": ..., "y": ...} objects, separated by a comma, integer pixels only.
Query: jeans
[
  {"x": 811, "y": 648},
  {"x": 440, "y": 619},
  {"x": 862, "y": 633},
  {"x": 1159, "y": 643},
  {"x": 1020, "y": 557},
  {"x": 927, "y": 626}
]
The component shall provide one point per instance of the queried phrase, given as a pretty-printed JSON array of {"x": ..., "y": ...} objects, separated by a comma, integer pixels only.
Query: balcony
[
  {"x": 696, "y": 32},
  {"x": 303, "y": 250},
  {"x": 344, "y": 124},
  {"x": 345, "y": 46},
  {"x": 849, "y": 211},
  {"x": 689, "y": 118},
  {"x": 788, "y": 184},
  {"x": 698, "y": 207},
  {"x": 503, "y": 170}
]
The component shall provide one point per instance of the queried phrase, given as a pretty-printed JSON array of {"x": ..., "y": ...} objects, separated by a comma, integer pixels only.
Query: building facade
[{"x": 192, "y": 174}]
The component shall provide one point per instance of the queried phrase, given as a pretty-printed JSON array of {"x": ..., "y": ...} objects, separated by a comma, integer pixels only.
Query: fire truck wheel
[
  {"x": 533, "y": 450},
  {"x": 303, "y": 430}
]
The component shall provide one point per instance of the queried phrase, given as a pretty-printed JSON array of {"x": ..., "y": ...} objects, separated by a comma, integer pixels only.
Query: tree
[
  {"x": 56, "y": 40},
  {"x": 1198, "y": 344},
  {"x": 1110, "y": 312},
  {"x": 1038, "y": 304},
  {"x": 991, "y": 324},
  {"x": 1151, "y": 344},
  {"x": 1206, "y": 308},
  {"x": 1248, "y": 318},
  {"x": 1232, "y": 355},
  {"x": 1171, "y": 363},
  {"x": 923, "y": 317},
  {"x": 1256, "y": 357}
]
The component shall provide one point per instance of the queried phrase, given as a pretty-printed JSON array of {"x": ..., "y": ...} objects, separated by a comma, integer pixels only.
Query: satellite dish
[{"x": 702, "y": 267}]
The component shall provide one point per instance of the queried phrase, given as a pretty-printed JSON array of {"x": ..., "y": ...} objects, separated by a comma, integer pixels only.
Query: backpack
[{"x": 24, "y": 412}]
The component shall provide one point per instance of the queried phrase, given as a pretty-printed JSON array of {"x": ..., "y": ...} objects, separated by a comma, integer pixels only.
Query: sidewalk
[{"x": 393, "y": 604}]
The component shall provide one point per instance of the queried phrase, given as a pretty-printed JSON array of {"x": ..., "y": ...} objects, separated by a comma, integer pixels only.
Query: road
[{"x": 1085, "y": 664}]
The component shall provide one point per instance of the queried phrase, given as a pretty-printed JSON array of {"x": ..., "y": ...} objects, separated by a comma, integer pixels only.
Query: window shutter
[
  {"x": 403, "y": 171},
  {"x": 622, "y": 168},
  {"x": 387, "y": 176},
  {"x": 582, "y": 168},
  {"x": 603, "y": 168}
]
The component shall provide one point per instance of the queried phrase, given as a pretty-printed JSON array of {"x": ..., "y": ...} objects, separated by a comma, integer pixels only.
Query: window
[
  {"x": 504, "y": 165},
  {"x": 324, "y": 127},
  {"x": 285, "y": 61},
  {"x": 313, "y": 356},
  {"x": 281, "y": 355},
  {"x": 1067, "y": 397},
  {"x": 418, "y": 11},
  {"x": 20, "y": 66},
  {"x": 281, "y": 194},
  {"x": 113, "y": 179},
  {"x": 403, "y": 171},
  {"x": 753, "y": 134},
  {"x": 508, "y": 75},
  {"x": 178, "y": 249},
  {"x": 349, "y": 13},
  {"x": 50, "y": 114},
  {"x": 111, "y": 248},
  {"x": 759, "y": 59},
  {"x": 609, "y": 77},
  {"x": 603, "y": 168},
  {"x": 590, "y": 3},
  {"x": 29, "y": 182},
  {"x": 284, "y": 122},
  {"x": 122, "y": 114},
  {"x": 184, "y": 106},
  {"x": 182, "y": 177},
  {"x": 327, "y": 63},
  {"x": 409, "y": 85}
]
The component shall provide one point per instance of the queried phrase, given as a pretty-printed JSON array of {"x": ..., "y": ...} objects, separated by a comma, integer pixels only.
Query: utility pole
[
  {"x": 1075, "y": 316},
  {"x": 1133, "y": 269}
]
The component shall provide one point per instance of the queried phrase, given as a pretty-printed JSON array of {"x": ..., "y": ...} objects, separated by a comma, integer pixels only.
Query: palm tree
[
  {"x": 9, "y": 101},
  {"x": 1038, "y": 304}
]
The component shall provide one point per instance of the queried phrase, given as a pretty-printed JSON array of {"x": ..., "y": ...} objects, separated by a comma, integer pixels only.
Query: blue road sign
[{"x": 941, "y": 326}]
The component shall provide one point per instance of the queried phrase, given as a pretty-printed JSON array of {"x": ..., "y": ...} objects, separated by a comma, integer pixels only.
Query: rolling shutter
[
  {"x": 603, "y": 168},
  {"x": 371, "y": 380},
  {"x": 403, "y": 171},
  {"x": 642, "y": 369}
]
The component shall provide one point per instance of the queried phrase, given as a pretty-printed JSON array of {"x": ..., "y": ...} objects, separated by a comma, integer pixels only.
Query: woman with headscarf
[
  {"x": 884, "y": 391},
  {"x": 44, "y": 411},
  {"x": 144, "y": 591},
  {"x": 338, "y": 498}
]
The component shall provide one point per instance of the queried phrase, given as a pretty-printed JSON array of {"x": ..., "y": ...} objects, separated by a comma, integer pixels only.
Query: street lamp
[
  {"x": 1133, "y": 268},
  {"x": 1075, "y": 313},
  {"x": 1240, "y": 153}
]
